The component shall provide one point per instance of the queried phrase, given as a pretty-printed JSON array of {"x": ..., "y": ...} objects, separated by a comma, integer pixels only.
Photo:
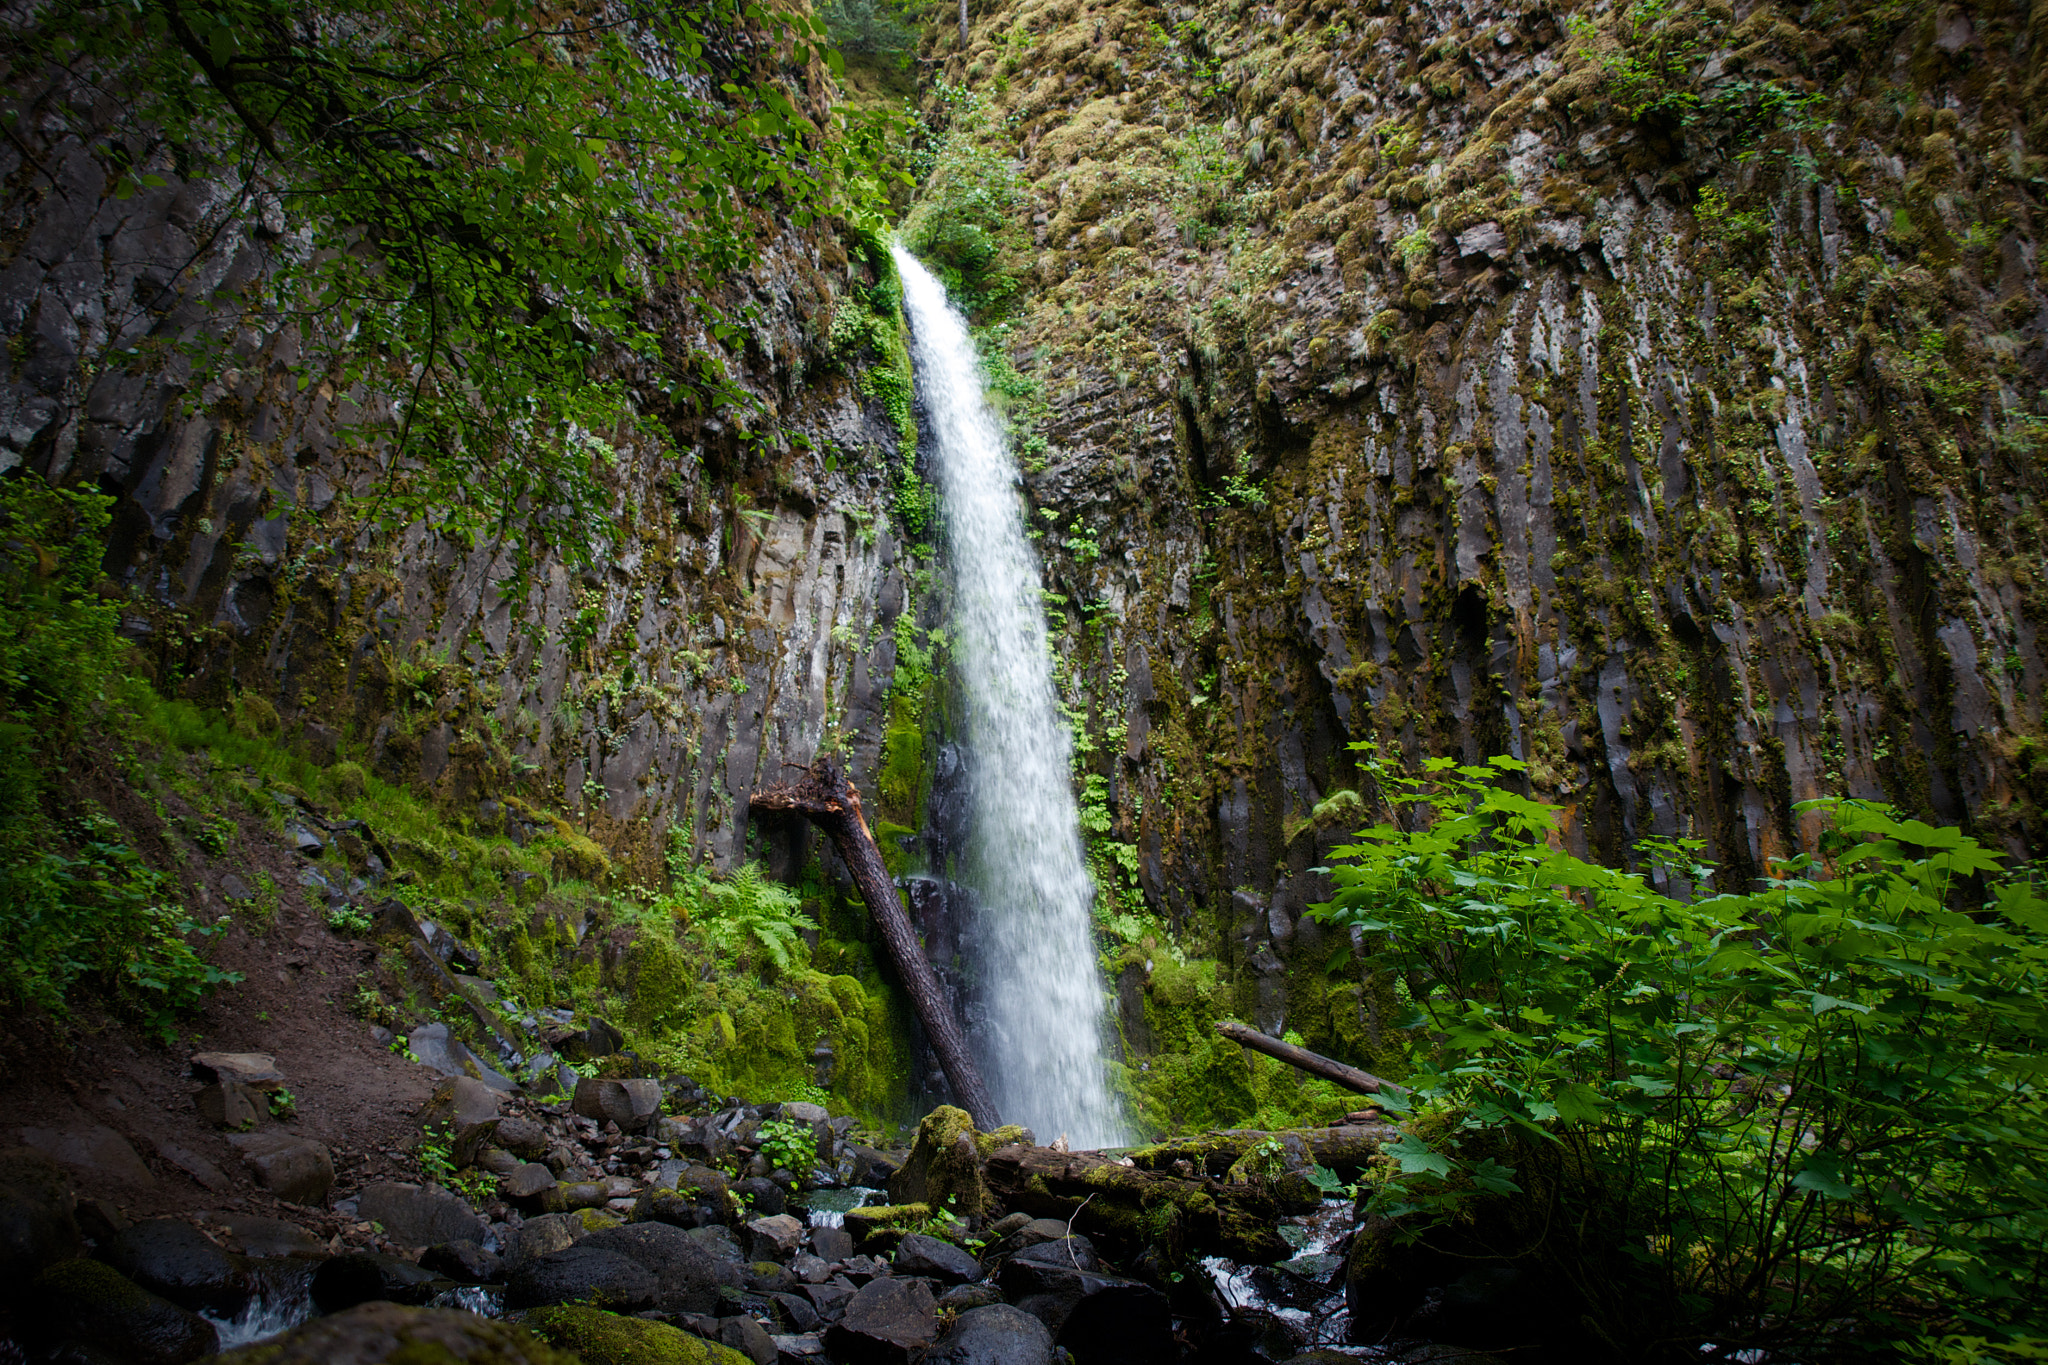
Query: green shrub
[
  {"x": 965, "y": 225},
  {"x": 1783, "y": 1121}
]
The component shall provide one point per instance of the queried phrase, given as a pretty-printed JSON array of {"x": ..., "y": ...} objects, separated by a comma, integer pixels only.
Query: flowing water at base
[{"x": 1041, "y": 1044}]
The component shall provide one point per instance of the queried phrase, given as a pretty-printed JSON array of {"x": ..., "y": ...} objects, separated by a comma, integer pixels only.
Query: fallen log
[
  {"x": 829, "y": 800},
  {"x": 1350, "y": 1077},
  {"x": 1343, "y": 1149},
  {"x": 1126, "y": 1209}
]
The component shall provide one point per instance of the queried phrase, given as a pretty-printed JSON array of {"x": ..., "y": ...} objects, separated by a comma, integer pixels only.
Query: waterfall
[{"x": 1041, "y": 1043}]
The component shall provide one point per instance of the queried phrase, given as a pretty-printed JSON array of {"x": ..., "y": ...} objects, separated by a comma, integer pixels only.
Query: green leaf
[{"x": 1416, "y": 1157}]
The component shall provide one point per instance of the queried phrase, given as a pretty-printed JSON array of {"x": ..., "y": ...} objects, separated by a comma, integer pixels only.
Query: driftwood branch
[
  {"x": 1350, "y": 1077},
  {"x": 828, "y": 800}
]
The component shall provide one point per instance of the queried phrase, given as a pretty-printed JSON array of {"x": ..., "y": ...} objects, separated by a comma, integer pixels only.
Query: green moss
[
  {"x": 943, "y": 1169},
  {"x": 346, "y": 780},
  {"x": 601, "y": 1338}
]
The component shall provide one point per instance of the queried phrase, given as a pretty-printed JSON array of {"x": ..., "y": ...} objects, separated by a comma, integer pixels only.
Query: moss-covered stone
[
  {"x": 601, "y": 1338},
  {"x": 394, "y": 1335},
  {"x": 943, "y": 1169}
]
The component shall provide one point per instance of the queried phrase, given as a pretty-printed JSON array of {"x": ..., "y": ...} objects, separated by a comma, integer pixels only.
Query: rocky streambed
[{"x": 640, "y": 1220}]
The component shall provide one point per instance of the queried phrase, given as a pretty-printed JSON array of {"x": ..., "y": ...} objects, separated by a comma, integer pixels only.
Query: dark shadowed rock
[
  {"x": 832, "y": 1244},
  {"x": 536, "y": 1237},
  {"x": 230, "y": 1104},
  {"x": 366, "y": 1276},
  {"x": 763, "y": 1195},
  {"x": 93, "y": 1150},
  {"x": 690, "y": 1274},
  {"x": 95, "y": 1305},
  {"x": 528, "y": 1182},
  {"x": 632, "y": 1104},
  {"x": 267, "y": 1237},
  {"x": 523, "y": 1138},
  {"x": 37, "y": 1226},
  {"x": 963, "y": 1297},
  {"x": 918, "y": 1254},
  {"x": 1120, "y": 1323},
  {"x": 749, "y": 1338},
  {"x": 295, "y": 1169},
  {"x": 463, "y": 1260},
  {"x": 419, "y": 1215},
  {"x": 796, "y": 1312},
  {"x": 887, "y": 1322},
  {"x": 382, "y": 1333},
  {"x": 994, "y": 1335},
  {"x": 583, "y": 1274},
  {"x": 180, "y": 1263}
]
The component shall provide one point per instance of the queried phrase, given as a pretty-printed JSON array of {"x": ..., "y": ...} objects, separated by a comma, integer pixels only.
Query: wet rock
[
  {"x": 749, "y": 1338},
  {"x": 601, "y": 1338},
  {"x": 365, "y": 1276},
  {"x": 38, "y": 1227},
  {"x": 1024, "y": 1232},
  {"x": 463, "y": 1260},
  {"x": 886, "y": 1322},
  {"x": 180, "y": 1263},
  {"x": 918, "y": 1254},
  {"x": 691, "y": 1277},
  {"x": 775, "y": 1238},
  {"x": 994, "y": 1335},
  {"x": 536, "y": 1237},
  {"x": 798, "y": 1313},
  {"x": 95, "y": 1305},
  {"x": 633, "y": 1104},
  {"x": 583, "y": 1274},
  {"x": 419, "y": 1216},
  {"x": 1042, "y": 1264},
  {"x": 763, "y": 1195},
  {"x": 295, "y": 1169},
  {"x": 257, "y": 1070},
  {"x": 230, "y": 1104},
  {"x": 376, "y": 1333},
  {"x": 263, "y": 1238},
  {"x": 769, "y": 1277}
]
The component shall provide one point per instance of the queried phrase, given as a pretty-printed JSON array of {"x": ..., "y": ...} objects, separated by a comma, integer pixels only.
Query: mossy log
[
  {"x": 1350, "y": 1077},
  {"x": 829, "y": 800},
  {"x": 1344, "y": 1148},
  {"x": 1127, "y": 1209}
]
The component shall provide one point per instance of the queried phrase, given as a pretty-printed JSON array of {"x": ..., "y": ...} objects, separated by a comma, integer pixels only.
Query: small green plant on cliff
[
  {"x": 747, "y": 908},
  {"x": 1801, "y": 1112}
]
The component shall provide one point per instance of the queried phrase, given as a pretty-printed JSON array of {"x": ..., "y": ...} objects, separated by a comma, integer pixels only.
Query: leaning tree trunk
[
  {"x": 1350, "y": 1077},
  {"x": 829, "y": 801}
]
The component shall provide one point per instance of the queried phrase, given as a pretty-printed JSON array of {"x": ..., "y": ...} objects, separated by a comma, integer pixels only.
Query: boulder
[
  {"x": 528, "y": 1182},
  {"x": 832, "y": 1244},
  {"x": 943, "y": 1169},
  {"x": 536, "y": 1237},
  {"x": 1038, "y": 1266},
  {"x": 634, "y": 1105},
  {"x": 583, "y": 1274},
  {"x": 995, "y": 1335},
  {"x": 918, "y": 1254},
  {"x": 257, "y": 1070},
  {"x": 962, "y": 1298},
  {"x": 94, "y": 1305},
  {"x": 1119, "y": 1322},
  {"x": 796, "y": 1311},
  {"x": 1025, "y": 1232},
  {"x": 263, "y": 1238},
  {"x": 366, "y": 1276},
  {"x": 179, "y": 1262},
  {"x": 191, "y": 1163},
  {"x": 886, "y": 1322},
  {"x": 692, "y": 1277},
  {"x": 466, "y": 1111},
  {"x": 376, "y": 1333},
  {"x": 465, "y": 1261},
  {"x": 419, "y": 1216},
  {"x": 772, "y": 1239},
  {"x": 762, "y": 1195},
  {"x": 742, "y": 1334},
  {"x": 295, "y": 1169},
  {"x": 523, "y": 1138},
  {"x": 601, "y": 1338},
  {"x": 38, "y": 1227},
  {"x": 93, "y": 1150}
]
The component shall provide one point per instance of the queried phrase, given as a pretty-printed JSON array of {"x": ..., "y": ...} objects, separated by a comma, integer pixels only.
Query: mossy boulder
[
  {"x": 576, "y": 856},
  {"x": 944, "y": 1166},
  {"x": 601, "y": 1338},
  {"x": 90, "y": 1304},
  {"x": 389, "y": 1334},
  {"x": 346, "y": 781},
  {"x": 256, "y": 717},
  {"x": 877, "y": 1224}
]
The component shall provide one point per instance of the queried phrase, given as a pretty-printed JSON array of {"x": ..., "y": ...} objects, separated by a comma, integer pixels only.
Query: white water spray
[{"x": 1041, "y": 1048}]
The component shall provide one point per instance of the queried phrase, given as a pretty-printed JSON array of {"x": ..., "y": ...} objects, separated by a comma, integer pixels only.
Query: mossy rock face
[
  {"x": 864, "y": 1225},
  {"x": 576, "y": 856},
  {"x": 944, "y": 1166},
  {"x": 389, "y": 1334},
  {"x": 601, "y": 1338},
  {"x": 95, "y": 1305}
]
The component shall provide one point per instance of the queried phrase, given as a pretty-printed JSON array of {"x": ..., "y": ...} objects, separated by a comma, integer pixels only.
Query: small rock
[
  {"x": 363, "y": 1276},
  {"x": 191, "y": 1163},
  {"x": 463, "y": 1260},
  {"x": 295, "y": 1169},
  {"x": 536, "y": 1237},
  {"x": 304, "y": 840},
  {"x": 833, "y": 1245},
  {"x": 255, "y": 1069},
  {"x": 632, "y": 1104},
  {"x": 522, "y": 1137},
  {"x": 419, "y": 1216},
  {"x": 801, "y": 1349},
  {"x": 763, "y": 1195},
  {"x": 775, "y": 1238},
  {"x": 810, "y": 1269},
  {"x": 996, "y": 1334},
  {"x": 91, "y": 1304},
  {"x": 797, "y": 1311},
  {"x": 886, "y": 1323},
  {"x": 458, "y": 1103},
  {"x": 918, "y": 1254},
  {"x": 1483, "y": 239},
  {"x": 963, "y": 1297},
  {"x": 529, "y": 1182},
  {"x": 235, "y": 889},
  {"x": 267, "y": 1237}
]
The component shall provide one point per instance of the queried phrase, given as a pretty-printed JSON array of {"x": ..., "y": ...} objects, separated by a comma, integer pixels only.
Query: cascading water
[{"x": 1041, "y": 1045}]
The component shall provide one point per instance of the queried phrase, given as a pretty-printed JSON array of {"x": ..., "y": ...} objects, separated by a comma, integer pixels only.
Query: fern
[{"x": 748, "y": 906}]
